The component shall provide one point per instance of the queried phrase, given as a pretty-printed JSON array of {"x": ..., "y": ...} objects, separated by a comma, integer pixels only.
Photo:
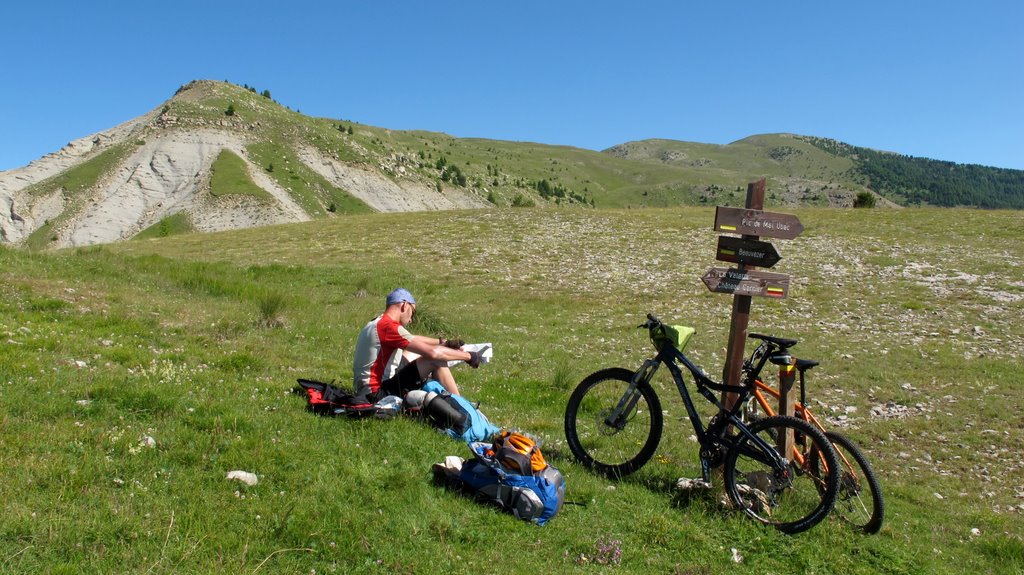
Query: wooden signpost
[
  {"x": 754, "y": 222},
  {"x": 747, "y": 251},
  {"x": 750, "y": 252},
  {"x": 746, "y": 282}
]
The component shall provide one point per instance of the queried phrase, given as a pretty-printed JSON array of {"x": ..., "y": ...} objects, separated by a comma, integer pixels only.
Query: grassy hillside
[
  {"x": 805, "y": 170},
  {"x": 801, "y": 170},
  {"x": 136, "y": 375},
  {"x": 275, "y": 133},
  {"x": 922, "y": 181}
]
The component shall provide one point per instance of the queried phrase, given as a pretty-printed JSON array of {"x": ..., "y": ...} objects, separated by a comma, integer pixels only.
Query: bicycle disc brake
[{"x": 606, "y": 427}]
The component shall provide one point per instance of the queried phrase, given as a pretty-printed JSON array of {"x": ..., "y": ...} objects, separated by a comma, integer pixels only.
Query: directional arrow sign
[
  {"x": 757, "y": 223},
  {"x": 746, "y": 282},
  {"x": 750, "y": 252}
]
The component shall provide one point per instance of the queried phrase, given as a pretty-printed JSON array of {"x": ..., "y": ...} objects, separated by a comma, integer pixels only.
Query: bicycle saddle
[
  {"x": 781, "y": 342},
  {"x": 805, "y": 364}
]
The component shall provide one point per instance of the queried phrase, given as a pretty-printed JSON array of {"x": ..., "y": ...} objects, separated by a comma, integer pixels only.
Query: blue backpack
[
  {"x": 459, "y": 418},
  {"x": 534, "y": 496}
]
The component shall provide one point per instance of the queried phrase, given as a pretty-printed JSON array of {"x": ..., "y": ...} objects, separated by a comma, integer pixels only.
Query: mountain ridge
[{"x": 286, "y": 167}]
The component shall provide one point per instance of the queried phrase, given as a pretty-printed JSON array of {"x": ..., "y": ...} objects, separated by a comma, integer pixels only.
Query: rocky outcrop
[
  {"x": 167, "y": 175},
  {"x": 385, "y": 194},
  {"x": 164, "y": 169},
  {"x": 167, "y": 171},
  {"x": 22, "y": 213}
]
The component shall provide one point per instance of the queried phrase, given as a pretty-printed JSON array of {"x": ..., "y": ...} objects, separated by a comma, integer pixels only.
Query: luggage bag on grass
[
  {"x": 524, "y": 485},
  {"x": 326, "y": 399},
  {"x": 454, "y": 414}
]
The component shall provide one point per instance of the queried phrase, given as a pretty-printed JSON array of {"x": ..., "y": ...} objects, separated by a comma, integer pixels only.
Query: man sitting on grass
[{"x": 383, "y": 336}]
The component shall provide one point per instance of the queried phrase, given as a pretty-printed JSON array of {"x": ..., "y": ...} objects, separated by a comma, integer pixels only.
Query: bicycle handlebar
[
  {"x": 700, "y": 377},
  {"x": 652, "y": 322},
  {"x": 770, "y": 345}
]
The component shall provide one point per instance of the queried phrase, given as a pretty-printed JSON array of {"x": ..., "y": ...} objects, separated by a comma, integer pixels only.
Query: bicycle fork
[{"x": 617, "y": 418}]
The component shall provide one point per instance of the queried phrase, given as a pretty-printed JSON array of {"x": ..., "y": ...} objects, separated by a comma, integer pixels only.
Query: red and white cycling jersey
[{"x": 375, "y": 356}]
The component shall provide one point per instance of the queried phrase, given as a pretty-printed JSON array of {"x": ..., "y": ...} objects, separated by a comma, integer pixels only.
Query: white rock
[
  {"x": 736, "y": 556},
  {"x": 243, "y": 476},
  {"x": 686, "y": 484}
]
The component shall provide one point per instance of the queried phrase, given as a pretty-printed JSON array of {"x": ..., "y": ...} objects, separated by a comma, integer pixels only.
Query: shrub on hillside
[
  {"x": 521, "y": 201},
  {"x": 864, "y": 200}
]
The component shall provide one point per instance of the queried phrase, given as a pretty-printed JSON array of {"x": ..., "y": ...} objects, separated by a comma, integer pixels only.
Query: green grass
[
  {"x": 171, "y": 339},
  {"x": 315, "y": 194},
  {"x": 85, "y": 175},
  {"x": 229, "y": 176},
  {"x": 172, "y": 225}
]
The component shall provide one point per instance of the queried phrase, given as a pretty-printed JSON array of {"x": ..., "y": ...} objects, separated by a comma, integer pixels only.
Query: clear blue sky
[{"x": 937, "y": 79}]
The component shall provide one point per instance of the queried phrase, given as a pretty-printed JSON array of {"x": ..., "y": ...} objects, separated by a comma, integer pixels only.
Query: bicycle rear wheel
[
  {"x": 614, "y": 445},
  {"x": 791, "y": 498},
  {"x": 859, "y": 502}
]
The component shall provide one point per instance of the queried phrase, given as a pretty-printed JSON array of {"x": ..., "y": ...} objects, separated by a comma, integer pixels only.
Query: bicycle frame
[
  {"x": 798, "y": 410},
  {"x": 708, "y": 438},
  {"x": 761, "y": 388},
  {"x": 758, "y": 388}
]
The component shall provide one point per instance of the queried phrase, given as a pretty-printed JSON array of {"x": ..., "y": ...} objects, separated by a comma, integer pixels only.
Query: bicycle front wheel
[
  {"x": 790, "y": 497},
  {"x": 859, "y": 502},
  {"x": 603, "y": 436}
]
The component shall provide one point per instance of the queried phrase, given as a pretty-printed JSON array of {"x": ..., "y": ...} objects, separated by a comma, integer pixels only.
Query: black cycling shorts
[{"x": 405, "y": 380}]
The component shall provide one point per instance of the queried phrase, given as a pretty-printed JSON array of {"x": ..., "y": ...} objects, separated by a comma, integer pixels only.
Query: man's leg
[{"x": 438, "y": 369}]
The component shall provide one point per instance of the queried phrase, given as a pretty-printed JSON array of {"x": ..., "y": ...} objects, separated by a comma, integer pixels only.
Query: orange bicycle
[{"x": 859, "y": 501}]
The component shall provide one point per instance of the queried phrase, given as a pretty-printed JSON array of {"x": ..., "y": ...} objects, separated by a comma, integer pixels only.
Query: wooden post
[
  {"x": 787, "y": 376},
  {"x": 740, "y": 309},
  {"x": 743, "y": 283}
]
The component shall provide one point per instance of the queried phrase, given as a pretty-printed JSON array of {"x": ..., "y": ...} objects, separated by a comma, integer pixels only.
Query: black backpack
[{"x": 326, "y": 399}]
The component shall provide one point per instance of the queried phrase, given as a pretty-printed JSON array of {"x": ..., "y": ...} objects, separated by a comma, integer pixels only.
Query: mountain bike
[
  {"x": 859, "y": 502},
  {"x": 614, "y": 421}
]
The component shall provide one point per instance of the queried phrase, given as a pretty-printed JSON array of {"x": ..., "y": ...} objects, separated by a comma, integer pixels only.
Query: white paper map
[{"x": 486, "y": 351}]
